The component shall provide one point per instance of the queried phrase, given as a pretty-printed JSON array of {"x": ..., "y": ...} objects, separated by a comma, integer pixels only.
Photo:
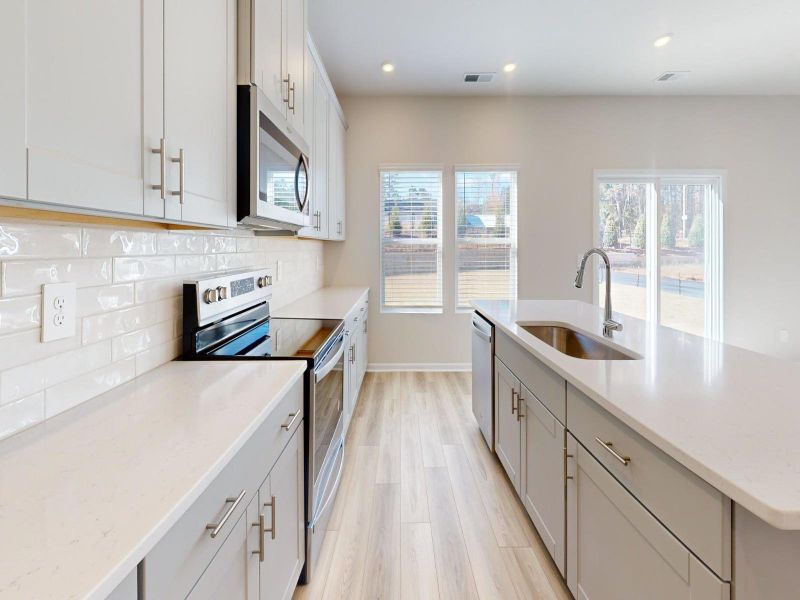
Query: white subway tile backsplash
[
  {"x": 139, "y": 341},
  {"x": 202, "y": 263},
  {"x": 181, "y": 243},
  {"x": 129, "y": 304},
  {"x": 35, "y": 376},
  {"x": 132, "y": 269},
  {"x": 28, "y": 241},
  {"x": 64, "y": 396},
  {"x": 20, "y": 313},
  {"x": 95, "y": 300},
  {"x": 108, "y": 325},
  {"x": 21, "y": 414},
  {"x": 113, "y": 242},
  {"x": 27, "y": 276}
]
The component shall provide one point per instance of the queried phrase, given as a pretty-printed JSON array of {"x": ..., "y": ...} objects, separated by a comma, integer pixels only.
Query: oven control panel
[{"x": 218, "y": 296}]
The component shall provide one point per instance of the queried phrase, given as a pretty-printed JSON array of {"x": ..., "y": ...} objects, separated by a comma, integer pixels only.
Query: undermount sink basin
[{"x": 575, "y": 344}]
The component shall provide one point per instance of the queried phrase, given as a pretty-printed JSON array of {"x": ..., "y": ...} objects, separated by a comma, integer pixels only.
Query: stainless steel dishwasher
[{"x": 483, "y": 376}]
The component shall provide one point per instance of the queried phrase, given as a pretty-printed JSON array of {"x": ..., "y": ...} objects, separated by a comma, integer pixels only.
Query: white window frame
[
  {"x": 714, "y": 228},
  {"x": 514, "y": 254},
  {"x": 422, "y": 310}
]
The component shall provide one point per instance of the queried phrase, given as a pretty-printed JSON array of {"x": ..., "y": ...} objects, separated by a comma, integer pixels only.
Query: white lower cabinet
[
  {"x": 356, "y": 357},
  {"x": 543, "y": 474},
  {"x": 508, "y": 432},
  {"x": 617, "y": 550},
  {"x": 227, "y": 575},
  {"x": 281, "y": 511}
]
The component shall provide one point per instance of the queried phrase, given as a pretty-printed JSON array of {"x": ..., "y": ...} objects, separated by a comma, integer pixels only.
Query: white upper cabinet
[
  {"x": 295, "y": 64},
  {"x": 267, "y": 56},
  {"x": 85, "y": 66},
  {"x": 12, "y": 99},
  {"x": 336, "y": 178},
  {"x": 199, "y": 82}
]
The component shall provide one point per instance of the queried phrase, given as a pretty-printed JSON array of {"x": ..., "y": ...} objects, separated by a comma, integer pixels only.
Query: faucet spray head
[{"x": 579, "y": 274}]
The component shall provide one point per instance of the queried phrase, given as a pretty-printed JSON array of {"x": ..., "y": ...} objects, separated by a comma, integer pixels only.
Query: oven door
[{"x": 327, "y": 404}]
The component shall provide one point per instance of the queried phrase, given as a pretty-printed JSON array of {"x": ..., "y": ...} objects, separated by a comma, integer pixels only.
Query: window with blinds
[
  {"x": 486, "y": 235},
  {"x": 411, "y": 240}
]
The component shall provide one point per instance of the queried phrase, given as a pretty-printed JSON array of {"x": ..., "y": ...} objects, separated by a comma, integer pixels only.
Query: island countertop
[
  {"x": 84, "y": 496},
  {"x": 729, "y": 415}
]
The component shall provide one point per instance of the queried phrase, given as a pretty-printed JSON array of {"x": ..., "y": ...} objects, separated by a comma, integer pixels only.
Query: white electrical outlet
[
  {"x": 278, "y": 270},
  {"x": 58, "y": 311}
]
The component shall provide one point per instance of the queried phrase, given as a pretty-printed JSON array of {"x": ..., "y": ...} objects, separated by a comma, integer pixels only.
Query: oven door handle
[
  {"x": 320, "y": 373},
  {"x": 332, "y": 495}
]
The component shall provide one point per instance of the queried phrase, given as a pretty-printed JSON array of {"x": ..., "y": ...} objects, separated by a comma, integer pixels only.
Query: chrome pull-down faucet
[{"x": 609, "y": 324}]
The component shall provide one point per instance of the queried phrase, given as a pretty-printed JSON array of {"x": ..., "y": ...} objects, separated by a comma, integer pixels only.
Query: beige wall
[
  {"x": 128, "y": 304},
  {"x": 558, "y": 142}
]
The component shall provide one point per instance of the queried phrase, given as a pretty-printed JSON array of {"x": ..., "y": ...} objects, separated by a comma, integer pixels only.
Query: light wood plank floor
[{"x": 425, "y": 510}]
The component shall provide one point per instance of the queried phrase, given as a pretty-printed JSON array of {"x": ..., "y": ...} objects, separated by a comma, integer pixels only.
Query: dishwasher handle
[{"x": 478, "y": 330}]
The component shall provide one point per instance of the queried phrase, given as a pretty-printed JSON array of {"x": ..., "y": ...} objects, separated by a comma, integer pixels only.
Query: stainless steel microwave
[{"x": 272, "y": 172}]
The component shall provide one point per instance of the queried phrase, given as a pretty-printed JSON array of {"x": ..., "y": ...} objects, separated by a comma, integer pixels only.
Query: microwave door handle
[
  {"x": 328, "y": 366},
  {"x": 301, "y": 204}
]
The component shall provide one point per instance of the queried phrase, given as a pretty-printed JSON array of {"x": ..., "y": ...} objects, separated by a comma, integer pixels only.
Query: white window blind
[
  {"x": 411, "y": 240},
  {"x": 486, "y": 235}
]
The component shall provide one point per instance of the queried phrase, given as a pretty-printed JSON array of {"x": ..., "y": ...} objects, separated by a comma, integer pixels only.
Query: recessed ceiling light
[
  {"x": 387, "y": 67},
  {"x": 663, "y": 40},
  {"x": 509, "y": 67}
]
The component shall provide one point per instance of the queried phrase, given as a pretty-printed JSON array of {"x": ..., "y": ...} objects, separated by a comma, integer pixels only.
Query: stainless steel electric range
[{"x": 227, "y": 317}]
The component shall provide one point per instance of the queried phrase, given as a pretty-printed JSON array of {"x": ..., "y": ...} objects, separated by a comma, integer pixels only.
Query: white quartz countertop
[
  {"x": 325, "y": 303},
  {"x": 729, "y": 415},
  {"x": 85, "y": 495}
]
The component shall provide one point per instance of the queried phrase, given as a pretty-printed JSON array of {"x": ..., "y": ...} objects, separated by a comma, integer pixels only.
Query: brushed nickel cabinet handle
[
  {"x": 625, "y": 460},
  {"x": 291, "y": 98},
  {"x": 271, "y": 529},
  {"x": 181, "y": 160},
  {"x": 260, "y": 525},
  {"x": 352, "y": 354},
  {"x": 513, "y": 397},
  {"x": 162, "y": 150},
  {"x": 567, "y": 456},
  {"x": 217, "y": 527},
  {"x": 288, "y": 82},
  {"x": 339, "y": 227},
  {"x": 520, "y": 400},
  {"x": 288, "y": 426}
]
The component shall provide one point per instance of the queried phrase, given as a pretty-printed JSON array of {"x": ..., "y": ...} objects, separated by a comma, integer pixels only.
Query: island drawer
[
  {"x": 173, "y": 566},
  {"x": 697, "y": 513},
  {"x": 546, "y": 385}
]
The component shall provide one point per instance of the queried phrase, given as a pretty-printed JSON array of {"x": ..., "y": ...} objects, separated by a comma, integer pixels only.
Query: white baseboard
[{"x": 385, "y": 367}]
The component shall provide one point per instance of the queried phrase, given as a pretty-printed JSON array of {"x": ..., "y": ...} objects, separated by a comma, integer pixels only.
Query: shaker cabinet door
[
  {"x": 543, "y": 477},
  {"x": 268, "y": 64},
  {"x": 12, "y": 101},
  {"x": 617, "y": 550},
  {"x": 89, "y": 118},
  {"x": 198, "y": 93},
  {"x": 508, "y": 438},
  {"x": 295, "y": 63}
]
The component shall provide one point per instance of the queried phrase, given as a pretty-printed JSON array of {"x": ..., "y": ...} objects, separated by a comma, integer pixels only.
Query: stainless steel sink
[{"x": 575, "y": 344}]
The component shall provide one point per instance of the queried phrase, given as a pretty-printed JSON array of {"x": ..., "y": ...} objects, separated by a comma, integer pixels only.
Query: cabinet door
[
  {"x": 268, "y": 41},
  {"x": 508, "y": 432},
  {"x": 12, "y": 100},
  {"x": 226, "y": 576},
  {"x": 336, "y": 177},
  {"x": 355, "y": 350},
  {"x": 349, "y": 400},
  {"x": 282, "y": 502},
  {"x": 543, "y": 474},
  {"x": 88, "y": 116},
  {"x": 319, "y": 154},
  {"x": 618, "y": 550},
  {"x": 295, "y": 63},
  {"x": 363, "y": 355},
  {"x": 199, "y": 37}
]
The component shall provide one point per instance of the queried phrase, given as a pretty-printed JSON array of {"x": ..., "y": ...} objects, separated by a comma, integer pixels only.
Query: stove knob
[
  {"x": 222, "y": 293},
  {"x": 210, "y": 296},
  {"x": 264, "y": 281}
]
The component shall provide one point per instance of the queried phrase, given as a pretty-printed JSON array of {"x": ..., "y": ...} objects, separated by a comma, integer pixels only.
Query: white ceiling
[{"x": 560, "y": 46}]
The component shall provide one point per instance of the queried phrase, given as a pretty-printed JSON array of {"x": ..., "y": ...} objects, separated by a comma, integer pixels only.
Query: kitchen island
[{"x": 726, "y": 415}]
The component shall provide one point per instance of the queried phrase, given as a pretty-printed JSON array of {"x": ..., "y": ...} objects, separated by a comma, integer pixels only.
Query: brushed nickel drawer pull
[
  {"x": 625, "y": 460},
  {"x": 288, "y": 82},
  {"x": 260, "y": 525},
  {"x": 217, "y": 527},
  {"x": 288, "y": 426},
  {"x": 520, "y": 400},
  {"x": 514, "y": 406},
  {"x": 271, "y": 529},
  {"x": 180, "y": 159}
]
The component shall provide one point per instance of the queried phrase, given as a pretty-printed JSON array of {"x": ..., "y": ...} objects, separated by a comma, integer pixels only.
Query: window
[
  {"x": 486, "y": 235},
  {"x": 411, "y": 240},
  {"x": 663, "y": 234}
]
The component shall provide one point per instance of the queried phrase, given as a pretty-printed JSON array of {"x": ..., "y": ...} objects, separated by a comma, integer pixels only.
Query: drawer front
[
  {"x": 178, "y": 560},
  {"x": 542, "y": 381},
  {"x": 698, "y": 514}
]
